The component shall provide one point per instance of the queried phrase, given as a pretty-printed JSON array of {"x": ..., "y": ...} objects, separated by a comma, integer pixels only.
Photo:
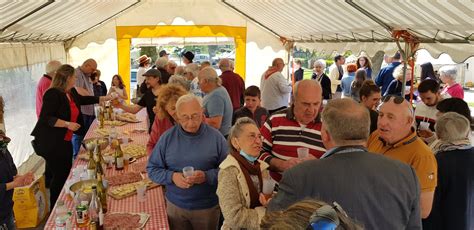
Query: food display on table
[
  {"x": 124, "y": 178},
  {"x": 128, "y": 117},
  {"x": 125, "y": 220},
  {"x": 135, "y": 150},
  {"x": 126, "y": 190},
  {"x": 115, "y": 123},
  {"x": 140, "y": 166}
]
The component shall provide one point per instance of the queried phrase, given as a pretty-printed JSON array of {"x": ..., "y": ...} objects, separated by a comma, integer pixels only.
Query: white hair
[
  {"x": 452, "y": 126},
  {"x": 192, "y": 68},
  {"x": 448, "y": 71},
  {"x": 52, "y": 66},
  {"x": 320, "y": 62},
  {"x": 398, "y": 71},
  {"x": 209, "y": 74},
  {"x": 161, "y": 62},
  {"x": 188, "y": 98}
]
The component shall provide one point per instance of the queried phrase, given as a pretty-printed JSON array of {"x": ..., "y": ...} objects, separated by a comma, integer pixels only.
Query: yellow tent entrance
[{"x": 125, "y": 34}]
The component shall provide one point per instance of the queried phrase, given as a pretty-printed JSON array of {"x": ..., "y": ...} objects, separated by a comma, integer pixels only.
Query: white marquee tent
[{"x": 33, "y": 32}]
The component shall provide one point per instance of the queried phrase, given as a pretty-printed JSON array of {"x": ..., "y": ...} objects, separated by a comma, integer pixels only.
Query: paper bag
[{"x": 30, "y": 204}]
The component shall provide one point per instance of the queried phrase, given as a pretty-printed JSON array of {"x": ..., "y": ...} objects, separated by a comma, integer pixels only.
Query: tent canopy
[
  {"x": 335, "y": 25},
  {"x": 330, "y": 25}
]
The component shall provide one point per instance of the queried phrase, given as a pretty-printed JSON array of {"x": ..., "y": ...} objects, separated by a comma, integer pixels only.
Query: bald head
[
  {"x": 51, "y": 67},
  {"x": 89, "y": 66},
  {"x": 307, "y": 101},
  {"x": 307, "y": 87},
  {"x": 225, "y": 64}
]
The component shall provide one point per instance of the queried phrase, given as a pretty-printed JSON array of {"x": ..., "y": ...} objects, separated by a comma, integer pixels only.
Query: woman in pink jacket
[{"x": 165, "y": 110}]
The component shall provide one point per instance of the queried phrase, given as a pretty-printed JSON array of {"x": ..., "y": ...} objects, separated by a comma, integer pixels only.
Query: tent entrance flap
[{"x": 125, "y": 34}]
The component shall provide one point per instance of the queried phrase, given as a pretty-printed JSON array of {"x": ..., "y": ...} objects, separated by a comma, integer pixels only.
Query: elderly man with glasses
[
  {"x": 396, "y": 138},
  {"x": 192, "y": 200}
]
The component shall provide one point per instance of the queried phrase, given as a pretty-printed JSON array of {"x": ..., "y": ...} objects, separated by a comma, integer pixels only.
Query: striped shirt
[{"x": 283, "y": 135}]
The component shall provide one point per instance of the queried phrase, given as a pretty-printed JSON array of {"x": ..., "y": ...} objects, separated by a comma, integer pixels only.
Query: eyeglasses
[
  {"x": 396, "y": 99},
  {"x": 194, "y": 117},
  {"x": 254, "y": 137}
]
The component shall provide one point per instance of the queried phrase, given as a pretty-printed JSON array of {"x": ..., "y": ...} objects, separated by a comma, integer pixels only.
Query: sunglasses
[{"x": 396, "y": 99}]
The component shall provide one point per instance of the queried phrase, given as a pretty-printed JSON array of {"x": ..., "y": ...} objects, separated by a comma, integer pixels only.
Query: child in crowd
[
  {"x": 252, "y": 107},
  {"x": 118, "y": 87}
]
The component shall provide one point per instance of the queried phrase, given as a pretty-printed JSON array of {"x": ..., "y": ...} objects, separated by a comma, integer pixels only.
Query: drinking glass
[
  {"x": 188, "y": 171},
  {"x": 302, "y": 153}
]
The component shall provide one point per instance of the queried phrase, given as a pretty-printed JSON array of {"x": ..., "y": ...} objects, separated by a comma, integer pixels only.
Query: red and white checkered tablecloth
[{"x": 155, "y": 204}]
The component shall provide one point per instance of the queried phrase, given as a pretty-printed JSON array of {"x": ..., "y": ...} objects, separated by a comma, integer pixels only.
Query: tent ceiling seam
[
  {"x": 105, "y": 20},
  {"x": 27, "y": 15}
]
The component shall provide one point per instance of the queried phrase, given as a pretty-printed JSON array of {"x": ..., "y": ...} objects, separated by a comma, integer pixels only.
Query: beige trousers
[{"x": 203, "y": 219}]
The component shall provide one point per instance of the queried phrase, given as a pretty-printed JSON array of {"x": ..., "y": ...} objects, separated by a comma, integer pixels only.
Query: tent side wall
[{"x": 21, "y": 67}]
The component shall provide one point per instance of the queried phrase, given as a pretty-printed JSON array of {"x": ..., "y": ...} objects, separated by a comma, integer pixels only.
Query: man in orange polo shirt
[{"x": 395, "y": 138}]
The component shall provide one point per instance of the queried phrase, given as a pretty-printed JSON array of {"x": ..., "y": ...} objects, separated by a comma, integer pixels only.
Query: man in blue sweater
[
  {"x": 192, "y": 200},
  {"x": 385, "y": 75}
]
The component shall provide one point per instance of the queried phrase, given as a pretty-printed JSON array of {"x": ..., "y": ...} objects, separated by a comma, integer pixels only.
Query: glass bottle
[
  {"x": 119, "y": 164},
  {"x": 95, "y": 211},
  {"x": 102, "y": 193},
  {"x": 91, "y": 167}
]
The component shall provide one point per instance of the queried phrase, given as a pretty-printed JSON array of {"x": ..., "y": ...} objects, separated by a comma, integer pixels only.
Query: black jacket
[
  {"x": 325, "y": 85},
  {"x": 56, "y": 106},
  {"x": 299, "y": 74},
  {"x": 453, "y": 204},
  {"x": 7, "y": 172}
]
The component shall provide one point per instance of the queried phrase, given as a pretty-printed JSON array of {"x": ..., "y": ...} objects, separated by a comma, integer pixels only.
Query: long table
[{"x": 155, "y": 204}]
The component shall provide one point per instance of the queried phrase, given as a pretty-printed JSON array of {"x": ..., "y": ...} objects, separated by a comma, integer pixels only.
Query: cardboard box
[{"x": 31, "y": 204}]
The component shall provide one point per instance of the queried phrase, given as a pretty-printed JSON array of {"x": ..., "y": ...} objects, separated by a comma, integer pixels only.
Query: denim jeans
[{"x": 77, "y": 139}]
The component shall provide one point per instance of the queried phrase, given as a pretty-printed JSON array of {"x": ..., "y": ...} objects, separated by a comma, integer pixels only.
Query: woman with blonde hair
[
  {"x": 240, "y": 181},
  {"x": 165, "y": 110},
  {"x": 60, "y": 117}
]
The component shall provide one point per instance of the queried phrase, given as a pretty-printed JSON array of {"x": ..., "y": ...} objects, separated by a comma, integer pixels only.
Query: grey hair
[
  {"x": 347, "y": 121},
  {"x": 161, "y": 62},
  {"x": 320, "y": 62},
  {"x": 52, "y": 66},
  {"x": 192, "y": 68},
  {"x": 449, "y": 71},
  {"x": 237, "y": 129},
  {"x": 398, "y": 71},
  {"x": 209, "y": 74},
  {"x": 452, "y": 126},
  {"x": 224, "y": 64},
  {"x": 188, "y": 98}
]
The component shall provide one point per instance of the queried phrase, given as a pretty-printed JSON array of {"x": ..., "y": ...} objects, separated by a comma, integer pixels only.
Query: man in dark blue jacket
[
  {"x": 378, "y": 192},
  {"x": 385, "y": 75}
]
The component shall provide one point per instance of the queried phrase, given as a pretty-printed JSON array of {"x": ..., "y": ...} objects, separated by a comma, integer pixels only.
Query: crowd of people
[{"x": 373, "y": 159}]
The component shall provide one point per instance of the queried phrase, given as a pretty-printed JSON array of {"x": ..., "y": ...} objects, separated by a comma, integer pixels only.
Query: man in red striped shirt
[{"x": 296, "y": 127}]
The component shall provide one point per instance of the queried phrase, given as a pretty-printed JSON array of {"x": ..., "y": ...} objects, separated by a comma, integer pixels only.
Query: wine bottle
[
  {"x": 119, "y": 164},
  {"x": 102, "y": 193},
  {"x": 91, "y": 166}
]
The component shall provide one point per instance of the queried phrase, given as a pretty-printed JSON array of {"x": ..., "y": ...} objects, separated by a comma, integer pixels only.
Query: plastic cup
[
  {"x": 141, "y": 192},
  {"x": 188, "y": 171},
  {"x": 424, "y": 125},
  {"x": 268, "y": 186},
  {"x": 302, "y": 153},
  {"x": 125, "y": 140}
]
